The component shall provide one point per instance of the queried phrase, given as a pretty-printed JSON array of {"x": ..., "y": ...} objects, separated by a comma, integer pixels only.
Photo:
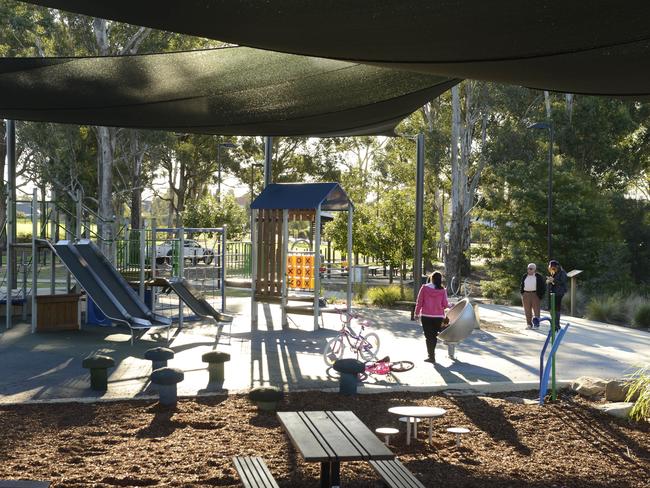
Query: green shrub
[
  {"x": 630, "y": 309},
  {"x": 498, "y": 289},
  {"x": 640, "y": 383},
  {"x": 515, "y": 298},
  {"x": 384, "y": 296},
  {"x": 610, "y": 309},
  {"x": 642, "y": 316}
]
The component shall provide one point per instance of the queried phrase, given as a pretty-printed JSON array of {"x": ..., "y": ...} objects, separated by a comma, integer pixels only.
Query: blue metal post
[{"x": 224, "y": 240}]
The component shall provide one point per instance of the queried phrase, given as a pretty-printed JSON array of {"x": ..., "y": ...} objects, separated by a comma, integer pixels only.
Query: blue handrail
[{"x": 545, "y": 371}]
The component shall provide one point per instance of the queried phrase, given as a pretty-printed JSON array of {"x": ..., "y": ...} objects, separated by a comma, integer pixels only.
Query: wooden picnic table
[{"x": 330, "y": 437}]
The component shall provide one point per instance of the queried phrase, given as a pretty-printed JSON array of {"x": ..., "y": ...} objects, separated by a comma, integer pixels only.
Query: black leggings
[
  {"x": 558, "y": 308},
  {"x": 431, "y": 326}
]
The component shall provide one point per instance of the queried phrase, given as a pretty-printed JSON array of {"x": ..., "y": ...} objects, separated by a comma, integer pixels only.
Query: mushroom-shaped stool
[
  {"x": 349, "y": 370},
  {"x": 458, "y": 431},
  {"x": 216, "y": 360},
  {"x": 266, "y": 397},
  {"x": 98, "y": 365},
  {"x": 387, "y": 432},
  {"x": 166, "y": 379},
  {"x": 159, "y": 357}
]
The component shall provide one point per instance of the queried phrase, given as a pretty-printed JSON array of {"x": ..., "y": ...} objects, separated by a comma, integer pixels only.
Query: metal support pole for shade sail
[
  {"x": 142, "y": 234},
  {"x": 285, "y": 254},
  {"x": 54, "y": 219},
  {"x": 34, "y": 260},
  {"x": 11, "y": 216},
  {"x": 181, "y": 274},
  {"x": 316, "y": 271},
  {"x": 349, "y": 294},
  {"x": 268, "y": 160},
  {"x": 254, "y": 258},
  {"x": 419, "y": 215}
]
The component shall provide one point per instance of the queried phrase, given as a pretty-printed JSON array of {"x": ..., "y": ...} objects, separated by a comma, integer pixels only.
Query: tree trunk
[
  {"x": 452, "y": 263},
  {"x": 440, "y": 208},
  {"x": 105, "y": 145},
  {"x": 137, "y": 153}
]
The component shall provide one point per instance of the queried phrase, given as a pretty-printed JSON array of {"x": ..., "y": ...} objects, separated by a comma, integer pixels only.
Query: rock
[
  {"x": 616, "y": 391},
  {"x": 616, "y": 409},
  {"x": 589, "y": 387},
  {"x": 462, "y": 392},
  {"x": 521, "y": 401}
]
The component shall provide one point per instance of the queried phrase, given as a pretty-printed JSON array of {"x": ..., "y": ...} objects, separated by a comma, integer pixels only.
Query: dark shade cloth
[
  {"x": 230, "y": 91},
  {"x": 303, "y": 196},
  {"x": 597, "y": 47}
]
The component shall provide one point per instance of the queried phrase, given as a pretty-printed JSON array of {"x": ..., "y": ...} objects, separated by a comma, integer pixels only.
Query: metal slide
[
  {"x": 196, "y": 301},
  {"x": 108, "y": 289}
]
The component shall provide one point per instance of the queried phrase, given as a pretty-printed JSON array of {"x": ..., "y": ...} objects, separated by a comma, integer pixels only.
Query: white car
[{"x": 193, "y": 252}]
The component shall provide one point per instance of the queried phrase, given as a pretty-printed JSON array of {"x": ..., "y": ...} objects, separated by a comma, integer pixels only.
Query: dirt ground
[{"x": 567, "y": 444}]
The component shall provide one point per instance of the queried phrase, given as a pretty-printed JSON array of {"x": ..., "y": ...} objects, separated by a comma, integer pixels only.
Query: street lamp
[
  {"x": 548, "y": 125},
  {"x": 226, "y": 145}
]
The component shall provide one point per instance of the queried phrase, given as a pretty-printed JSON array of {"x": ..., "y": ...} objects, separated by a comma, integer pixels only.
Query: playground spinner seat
[{"x": 462, "y": 321}]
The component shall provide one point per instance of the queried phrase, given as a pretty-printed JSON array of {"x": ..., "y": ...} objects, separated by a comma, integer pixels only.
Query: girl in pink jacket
[{"x": 430, "y": 307}]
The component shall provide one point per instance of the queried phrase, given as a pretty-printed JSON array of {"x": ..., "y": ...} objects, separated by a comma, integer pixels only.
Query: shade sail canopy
[
  {"x": 593, "y": 47},
  {"x": 302, "y": 196},
  {"x": 232, "y": 91}
]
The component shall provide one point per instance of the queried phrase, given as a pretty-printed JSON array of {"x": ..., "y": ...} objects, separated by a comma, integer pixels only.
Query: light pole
[
  {"x": 548, "y": 125},
  {"x": 227, "y": 145}
]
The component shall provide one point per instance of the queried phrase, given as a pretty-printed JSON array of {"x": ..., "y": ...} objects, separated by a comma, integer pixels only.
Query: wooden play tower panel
[{"x": 278, "y": 275}]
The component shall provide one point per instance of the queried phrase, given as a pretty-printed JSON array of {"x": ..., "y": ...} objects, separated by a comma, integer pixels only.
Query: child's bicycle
[
  {"x": 385, "y": 367},
  {"x": 365, "y": 346}
]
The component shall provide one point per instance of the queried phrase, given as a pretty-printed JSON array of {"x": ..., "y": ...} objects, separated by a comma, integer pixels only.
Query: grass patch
[
  {"x": 642, "y": 316},
  {"x": 639, "y": 383},
  {"x": 619, "y": 309}
]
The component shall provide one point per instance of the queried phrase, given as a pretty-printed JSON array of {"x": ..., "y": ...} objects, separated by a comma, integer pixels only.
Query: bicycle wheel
[
  {"x": 467, "y": 288},
  {"x": 401, "y": 366},
  {"x": 454, "y": 286},
  {"x": 368, "y": 348},
  {"x": 334, "y": 350}
]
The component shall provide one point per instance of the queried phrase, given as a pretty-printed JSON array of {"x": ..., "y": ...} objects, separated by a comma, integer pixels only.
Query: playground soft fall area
[{"x": 141, "y": 443}]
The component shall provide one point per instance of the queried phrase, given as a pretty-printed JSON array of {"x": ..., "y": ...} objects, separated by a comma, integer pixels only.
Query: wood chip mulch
[{"x": 138, "y": 443}]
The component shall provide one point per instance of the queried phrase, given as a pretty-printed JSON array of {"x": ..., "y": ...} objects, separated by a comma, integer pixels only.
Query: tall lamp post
[
  {"x": 225, "y": 145},
  {"x": 548, "y": 125}
]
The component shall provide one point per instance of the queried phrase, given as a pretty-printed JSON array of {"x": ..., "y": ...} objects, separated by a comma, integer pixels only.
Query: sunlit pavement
[{"x": 503, "y": 356}]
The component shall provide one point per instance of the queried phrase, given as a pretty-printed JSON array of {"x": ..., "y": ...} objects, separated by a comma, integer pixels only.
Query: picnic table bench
[
  {"x": 254, "y": 472},
  {"x": 330, "y": 437},
  {"x": 395, "y": 474}
]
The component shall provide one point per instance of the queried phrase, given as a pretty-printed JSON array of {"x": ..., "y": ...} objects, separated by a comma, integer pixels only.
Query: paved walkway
[{"x": 503, "y": 355}]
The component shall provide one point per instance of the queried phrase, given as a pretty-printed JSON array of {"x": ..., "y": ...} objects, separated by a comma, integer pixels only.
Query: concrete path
[{"x": 503, "y": 355}]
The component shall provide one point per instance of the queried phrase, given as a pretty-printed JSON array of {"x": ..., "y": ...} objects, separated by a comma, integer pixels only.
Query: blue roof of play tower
[{"x": 294, "y": 196}]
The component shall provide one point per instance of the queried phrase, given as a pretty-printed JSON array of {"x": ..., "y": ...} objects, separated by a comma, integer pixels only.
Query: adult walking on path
[
  {"x": 430, "y": 306},
  {"x": 557, "y": 283},
  {"x": 532, "y": 290}
]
